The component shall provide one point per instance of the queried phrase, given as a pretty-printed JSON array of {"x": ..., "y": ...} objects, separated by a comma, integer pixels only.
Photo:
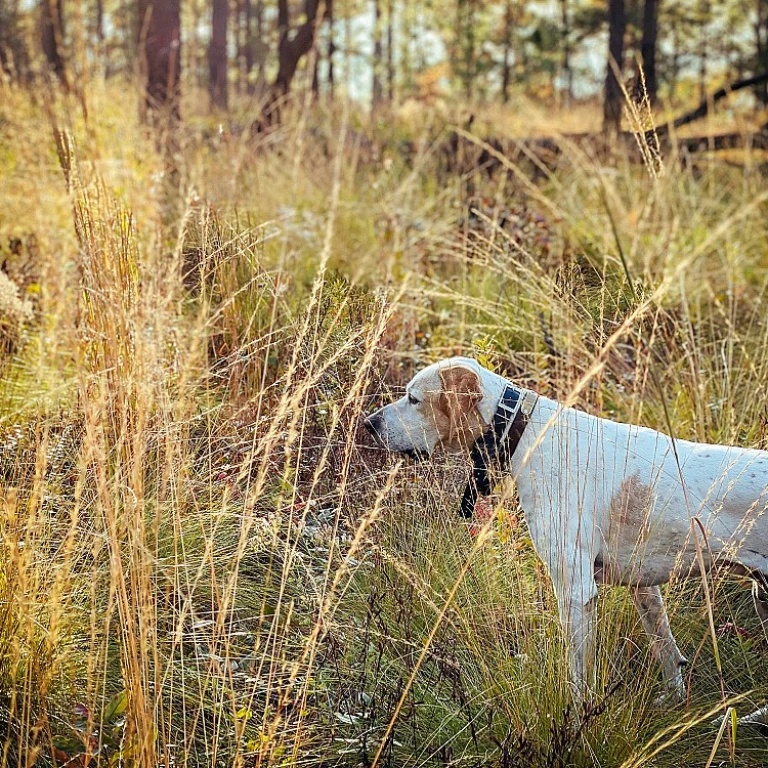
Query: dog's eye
[{"x": 412, "y": 400}]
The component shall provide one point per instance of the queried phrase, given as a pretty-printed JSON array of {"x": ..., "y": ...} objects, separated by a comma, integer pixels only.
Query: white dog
[{"x": 606, "y": 503}]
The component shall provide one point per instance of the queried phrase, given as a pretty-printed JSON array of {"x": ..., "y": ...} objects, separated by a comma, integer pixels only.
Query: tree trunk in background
[
  {"x": 217, "y": 55},
  {"x": 391, "y": 51},
  {"x": 648, "y": 47},
  {"x": 52, "y": 37},
  {"x": 195, "y": 61},
  {"x": 250, "y": 47},
  {"x": 406, "y": 73},
  {"x": 506, "y": 64},
  {"x": 761, "y": 51},
  {"x": 465, "y": 32},
  {"x": 160, "y": 49},
  {"x": 566, "y": 37},
  {"x": 331, "y": 48},
  {"x": 100, "y": 27},
  {"x": 260, "y": 47},
  {"x": 4, "y": 24},
  {"x": 241, "y": 36},
  {"x": 290, "y": 51},
  {"x": 316, "y": 75},
  {"x": 704, "y": 10},
  {"x": 377, "y": 90},
  {"x": 612, "y": 104},
  {"x": 674, "y": 69}
]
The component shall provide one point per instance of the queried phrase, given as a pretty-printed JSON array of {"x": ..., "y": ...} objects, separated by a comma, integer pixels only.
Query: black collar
[{"x": 498, "y": 444}]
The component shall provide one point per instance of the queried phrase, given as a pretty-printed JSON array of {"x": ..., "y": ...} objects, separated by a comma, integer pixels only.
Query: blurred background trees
[{"x": 389, "y": 51}]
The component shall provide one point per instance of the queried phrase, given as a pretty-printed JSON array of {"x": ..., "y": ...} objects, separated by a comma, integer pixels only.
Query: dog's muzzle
[{"x": 374, "y": 424}]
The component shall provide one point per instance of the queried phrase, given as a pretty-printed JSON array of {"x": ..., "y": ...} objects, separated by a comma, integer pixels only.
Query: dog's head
[{"x": 439, "y": 408}]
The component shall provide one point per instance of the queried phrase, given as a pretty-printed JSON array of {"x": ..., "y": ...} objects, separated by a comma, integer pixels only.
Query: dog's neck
[{"x": 493, "y": 387}]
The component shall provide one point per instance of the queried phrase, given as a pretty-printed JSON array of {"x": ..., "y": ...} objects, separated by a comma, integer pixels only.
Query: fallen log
[{"x": 703, "y": 109}]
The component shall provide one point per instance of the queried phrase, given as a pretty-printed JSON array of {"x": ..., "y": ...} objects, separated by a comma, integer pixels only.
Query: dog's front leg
[
  {"x": 576, "y": 594},
  {"x": 650, "y": 606}
]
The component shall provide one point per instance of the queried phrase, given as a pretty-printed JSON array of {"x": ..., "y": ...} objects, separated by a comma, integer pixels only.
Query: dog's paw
[{"x": 757, "y": 720}]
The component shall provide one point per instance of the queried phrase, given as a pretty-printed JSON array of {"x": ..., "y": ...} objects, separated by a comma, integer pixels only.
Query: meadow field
[{"x": 203, "y": 559}]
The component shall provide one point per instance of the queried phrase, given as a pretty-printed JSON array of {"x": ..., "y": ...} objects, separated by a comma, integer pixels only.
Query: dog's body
[{"x": 605, "y": 502}]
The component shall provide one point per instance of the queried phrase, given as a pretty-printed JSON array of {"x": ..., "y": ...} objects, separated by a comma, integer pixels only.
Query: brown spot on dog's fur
[
  {"x": 630, "y": 507},
  {"x": 460, "y": 393}
]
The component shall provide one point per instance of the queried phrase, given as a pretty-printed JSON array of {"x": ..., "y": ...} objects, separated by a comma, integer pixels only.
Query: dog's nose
[
  {"x": 368, "y": 424},
  {"x": 372, "y": 423}
]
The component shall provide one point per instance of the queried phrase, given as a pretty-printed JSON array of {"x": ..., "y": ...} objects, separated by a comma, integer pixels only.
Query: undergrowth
[{"x": 204, "y": 562}]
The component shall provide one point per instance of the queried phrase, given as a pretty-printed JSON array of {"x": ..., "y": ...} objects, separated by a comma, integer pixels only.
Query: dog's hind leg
[
  {"x": 760, "y": 599},
  {"x": 759, "y": 718},
  {"x": 650, "y": 606}
]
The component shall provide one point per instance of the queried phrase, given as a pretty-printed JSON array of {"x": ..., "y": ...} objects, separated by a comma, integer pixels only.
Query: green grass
[{"x": 204, "y": 562}]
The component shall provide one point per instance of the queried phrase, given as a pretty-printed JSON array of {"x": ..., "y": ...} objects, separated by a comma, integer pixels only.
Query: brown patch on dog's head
[{"x": 460, "y": 392}]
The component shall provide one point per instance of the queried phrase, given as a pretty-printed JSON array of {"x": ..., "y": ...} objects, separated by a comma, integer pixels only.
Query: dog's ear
[{"x": 459, "y": 394}]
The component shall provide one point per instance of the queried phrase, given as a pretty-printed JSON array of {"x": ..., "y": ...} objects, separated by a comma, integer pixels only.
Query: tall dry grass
[{"x": 204, "y": 563}]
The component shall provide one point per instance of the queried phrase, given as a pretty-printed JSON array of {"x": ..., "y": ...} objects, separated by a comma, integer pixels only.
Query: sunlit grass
[{"x": 204, "y": 562}]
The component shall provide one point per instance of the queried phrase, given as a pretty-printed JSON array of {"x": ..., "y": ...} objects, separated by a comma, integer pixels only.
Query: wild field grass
[{"x": 205, "y": 563}]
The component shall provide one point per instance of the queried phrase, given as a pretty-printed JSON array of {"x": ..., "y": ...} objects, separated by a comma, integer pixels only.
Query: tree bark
[
  {"x": 377, "y": 90},
  {"x": 703, "y": 48},
  {"x": 249, "y": 53},
  {"x": 217, "y": 55},
  {"x": 52, "y": 37},
  {"x": 260, "y": 47},
  {"x": 709, "y": 101},
  {"x": 316, "y": 76},
  {"x": 465, "y": 31},
  {"x": 290, "y": 50},
  {"x": 612, "y": 104},
  {"x": 100, "y": 22},
  {"x": 506, "y": 64},
  {"x": 761, "y": 49},
  {"x": 391, "y": 51},
  {"x": 160, "y": 49},
  {"x": 406, "y": 68},
  {"x": 331, "y": 48},
  {"x": 648, "y": 47},
  {"x": 566, "y": 37}
]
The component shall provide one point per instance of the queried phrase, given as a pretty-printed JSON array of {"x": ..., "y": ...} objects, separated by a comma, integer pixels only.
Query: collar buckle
[{"x": 528, "y": 402}]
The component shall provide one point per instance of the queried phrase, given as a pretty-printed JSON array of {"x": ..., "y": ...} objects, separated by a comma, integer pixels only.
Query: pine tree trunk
[
  {"x": 377, "y": 90},
  {"x": 290, "y": 51},
  {"x": 331, "y": 48},
  {"x": 703, "y": 48},
  {"x": 100, "y": 23},
  {"x": 465, "y": 31},
  {"x": 4, "y": 24},
  {"x": 406, "y": 69},
  {"x": 506, "y": 64},
  {"x": 260, "y": 47},
  {"x": 160, "y": 46},
  {"x": 566, "y": 37},
  {"x": 241, "y": 37},
  {"x": 249, "y": 53},
  {"x": 217, "y": 55},
  {"x": 316, "y": 76},
  {"x": 391, "y": 51},
  {"x": 648, "y": 47},
  {"x": 761, "y": 51},
  {"x": 613, "y": 96},
  {"x": 52, "y": 37}
]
